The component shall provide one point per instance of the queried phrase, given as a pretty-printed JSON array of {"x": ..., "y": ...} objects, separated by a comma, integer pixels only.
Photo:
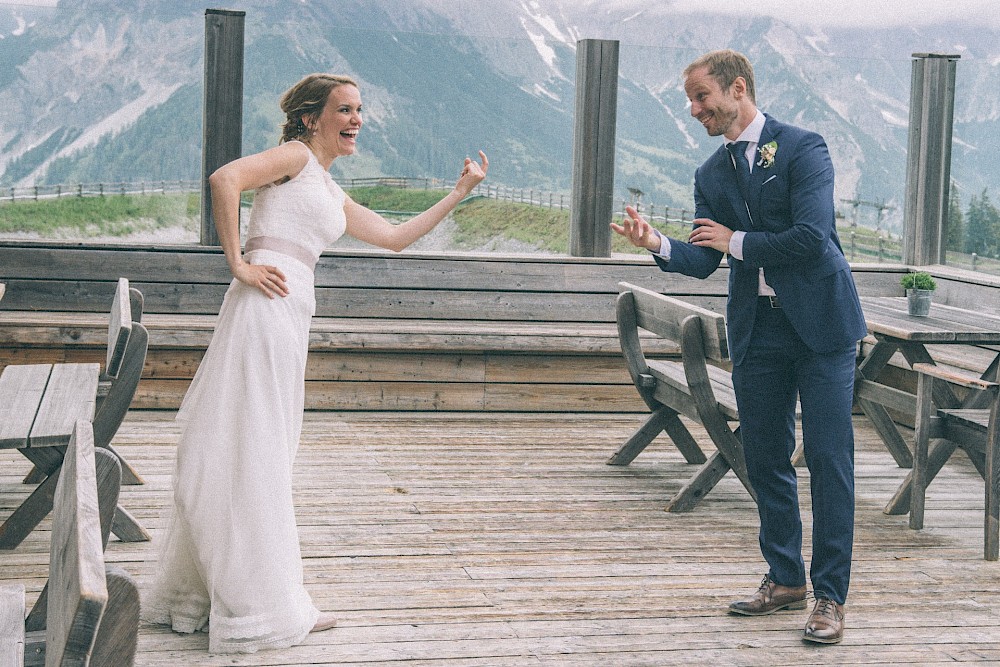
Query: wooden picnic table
[
  {"x": 39, "y": 407},
  {"x": 897, "y": 331}
]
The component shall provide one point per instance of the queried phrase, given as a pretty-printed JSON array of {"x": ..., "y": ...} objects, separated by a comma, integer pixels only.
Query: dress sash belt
[{"x": 284, "y": 247}]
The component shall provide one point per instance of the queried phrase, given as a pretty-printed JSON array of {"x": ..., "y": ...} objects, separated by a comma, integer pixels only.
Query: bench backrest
[
  {"x": 78, "y": 590},
  {"x": 665, "y": 316},
  {"x": 119, "y": 328}
]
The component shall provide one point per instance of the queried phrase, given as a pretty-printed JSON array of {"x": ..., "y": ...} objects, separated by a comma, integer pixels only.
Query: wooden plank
[
  {"x": 70, "y": 395},
  {"x": 77, "y": 587},
  {"x": 12, "y": 625},
  {"x": 21, "y": 389},
  {"x": 26, "y": 356},
  {"x": 119, "y": 328},
  {"x": 321, "y": 365},
  {"x": 664, "y": 315},
  {"x": 945, "y": 324},
  {"x": 402, "y": 303},
  {"x": 884, "y": 395},
  {"x": 551, "y": 368},
  {"x": 671, "y": 373},
  {"x": 29, "y": 261},
  {"x": 418, "y": 396},
  {"x": 387, "y": 366},
  {"x": 559, "y": 398},
  {"x": 54, "y": 261},
  {"x": 195, "y": 331},
  {"x": 471, "y": 304}
]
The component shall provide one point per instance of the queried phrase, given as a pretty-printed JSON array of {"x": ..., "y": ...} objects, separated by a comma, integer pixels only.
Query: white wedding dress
[{"x": 231, "y": 562}]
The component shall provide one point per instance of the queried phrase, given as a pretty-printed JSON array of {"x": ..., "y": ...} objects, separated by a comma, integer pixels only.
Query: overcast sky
[
  {"x": 816, "y": 12},
  {"x": 854, "y": 12}
]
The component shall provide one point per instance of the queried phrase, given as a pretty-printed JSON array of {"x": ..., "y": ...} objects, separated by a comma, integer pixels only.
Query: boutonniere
[{"x": 767, "y": 153}]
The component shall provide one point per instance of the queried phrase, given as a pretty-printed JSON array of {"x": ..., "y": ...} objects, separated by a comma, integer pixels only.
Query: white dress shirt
[{"x": 751, "y": 135}]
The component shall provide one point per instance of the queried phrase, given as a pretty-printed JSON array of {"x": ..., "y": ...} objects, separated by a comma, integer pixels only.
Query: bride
[{"x": 231, "y": 563}]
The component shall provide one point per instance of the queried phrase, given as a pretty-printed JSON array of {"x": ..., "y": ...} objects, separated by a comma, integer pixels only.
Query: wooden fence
[{"x": 60, "y": 190}]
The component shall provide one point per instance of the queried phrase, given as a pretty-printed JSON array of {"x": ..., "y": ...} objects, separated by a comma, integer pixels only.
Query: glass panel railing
[
  {"x": 973, "y": 227},
  {"x": 112, "y": 108}
]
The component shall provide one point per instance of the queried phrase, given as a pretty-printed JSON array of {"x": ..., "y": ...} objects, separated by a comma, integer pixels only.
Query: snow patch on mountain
[{"x": 107, "y": 126}]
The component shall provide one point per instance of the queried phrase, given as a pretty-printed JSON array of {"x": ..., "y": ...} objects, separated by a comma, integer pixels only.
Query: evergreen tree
[
  {"x": 954, "y": 231},
  {"x": 982, "y": 227}
]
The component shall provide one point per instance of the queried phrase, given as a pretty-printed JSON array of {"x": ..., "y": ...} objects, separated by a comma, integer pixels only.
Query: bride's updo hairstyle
[{"x": 307, "y": 98}]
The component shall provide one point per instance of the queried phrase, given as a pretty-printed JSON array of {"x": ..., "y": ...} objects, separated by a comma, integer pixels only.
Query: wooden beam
[
  {"x": 594, "y": 147},
  {"x": 928, "y": 166},
  {"x": 223, "y": 113}
]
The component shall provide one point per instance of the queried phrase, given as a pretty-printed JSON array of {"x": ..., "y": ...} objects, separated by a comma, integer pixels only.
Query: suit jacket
[{"x": 791, "y": 234}]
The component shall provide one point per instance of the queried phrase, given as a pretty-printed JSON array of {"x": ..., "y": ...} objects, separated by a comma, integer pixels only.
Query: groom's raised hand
[{"x": 637, "y": 231}]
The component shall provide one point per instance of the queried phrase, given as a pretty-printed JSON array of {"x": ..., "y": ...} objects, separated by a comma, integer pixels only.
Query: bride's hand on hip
[{"x": 268, "y": 279}]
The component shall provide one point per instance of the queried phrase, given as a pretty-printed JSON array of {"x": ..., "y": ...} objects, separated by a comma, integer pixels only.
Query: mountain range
[{"x": 94, "y": 90}]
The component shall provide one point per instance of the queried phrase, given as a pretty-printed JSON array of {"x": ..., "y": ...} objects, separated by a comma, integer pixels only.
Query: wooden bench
[
  {"x": 87, "y": 611},
  {"x": 125, "y": 356},
  {"x": 691, "y": 387},
  {"x": 976, "y": 430}
]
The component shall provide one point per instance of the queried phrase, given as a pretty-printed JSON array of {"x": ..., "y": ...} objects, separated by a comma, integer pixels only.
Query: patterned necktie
[{"x": 738, "y": 149}]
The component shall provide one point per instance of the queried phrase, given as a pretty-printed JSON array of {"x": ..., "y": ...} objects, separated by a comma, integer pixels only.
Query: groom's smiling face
[{"x": 716, "y": 109}]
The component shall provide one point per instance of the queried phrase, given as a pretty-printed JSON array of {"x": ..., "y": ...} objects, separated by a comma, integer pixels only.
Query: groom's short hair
[{"x": 726, "y": 65}]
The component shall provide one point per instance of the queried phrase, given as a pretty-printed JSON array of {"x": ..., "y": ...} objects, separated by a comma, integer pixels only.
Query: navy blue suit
[{"x": 805, "y": 350}]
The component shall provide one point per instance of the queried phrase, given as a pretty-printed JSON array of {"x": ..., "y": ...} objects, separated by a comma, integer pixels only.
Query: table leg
[
  {"x": 29, "y": 514},
  {"x": 886, "y": 428},
  {"x": 48, "y": 460},
  {"x": 869, "y": 369},
  {"x": 129, "y": 474},
  {"x": 939, "y": 453}
]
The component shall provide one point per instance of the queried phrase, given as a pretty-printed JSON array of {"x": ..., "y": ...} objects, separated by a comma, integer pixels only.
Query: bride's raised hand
[
  {"x": 268, "y": 279},
  {"x": 472, "y": 174}
]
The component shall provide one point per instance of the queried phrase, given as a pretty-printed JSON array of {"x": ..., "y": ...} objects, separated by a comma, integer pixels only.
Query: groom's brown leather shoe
[
  {"x": 769, "y": 598},
  {"x": 826, "y": 622}
]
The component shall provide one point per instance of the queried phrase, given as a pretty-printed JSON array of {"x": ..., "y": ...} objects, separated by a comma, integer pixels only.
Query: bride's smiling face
[{"x": 338, "y": 124}]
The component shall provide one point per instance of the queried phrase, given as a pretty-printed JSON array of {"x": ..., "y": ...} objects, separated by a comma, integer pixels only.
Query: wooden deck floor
[{"x": 473, "y": 539}]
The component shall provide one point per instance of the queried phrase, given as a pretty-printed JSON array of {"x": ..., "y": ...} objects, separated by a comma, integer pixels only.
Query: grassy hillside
[{"x": 82, "y": 217}]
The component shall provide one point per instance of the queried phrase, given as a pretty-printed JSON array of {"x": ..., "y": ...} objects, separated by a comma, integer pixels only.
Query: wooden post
[
  {"x": 223, "y": 114},
  {"x": 594, "y": 147},
  {"x": 928, "y": 161}
]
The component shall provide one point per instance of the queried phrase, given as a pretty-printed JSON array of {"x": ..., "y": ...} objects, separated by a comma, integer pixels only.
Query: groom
[{"x": 765, "y": 198}]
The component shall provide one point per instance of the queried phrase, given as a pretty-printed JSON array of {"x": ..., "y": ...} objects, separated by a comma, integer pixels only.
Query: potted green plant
[{"x": 919, "y": 287}]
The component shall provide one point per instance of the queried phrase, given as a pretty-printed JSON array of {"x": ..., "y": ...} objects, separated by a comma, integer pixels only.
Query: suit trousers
[{"x": 777, "y": 368}]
